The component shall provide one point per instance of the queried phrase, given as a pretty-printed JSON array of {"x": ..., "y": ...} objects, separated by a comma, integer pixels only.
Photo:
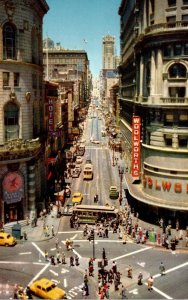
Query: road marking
[
  {"x": 65, "y": 282},
  {"x": 23, "y": 253},
  {"x": 75, "y": 252},
  {"x": 142, "y": 264},
  {"x": 72, "y": 238},
  {"x": 53, "y": 272},
  {"x": 63, "y": 271},
  {"x": 172, "y": 269},
  {"x": 134, "y": 292},
  {"x": 160, "y": 292},
  {"x": 55, "y": 281},
  {"x": 77, "y": 231},
  {"x": 53, "y": 249},
  {"x": 39, "y": 273},
  {"x": 37, "y": 247},
  {"x": 131, "y": 253}
]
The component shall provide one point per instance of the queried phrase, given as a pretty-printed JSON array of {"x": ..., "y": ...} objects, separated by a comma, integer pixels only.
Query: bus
[
  {"x": 90, "y": 214},
  {"x": 88, "y": 171}
]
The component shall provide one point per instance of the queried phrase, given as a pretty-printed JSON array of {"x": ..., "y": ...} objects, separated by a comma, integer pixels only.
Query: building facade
[
  {"x": 22, "y": 163},
  {"x": 154, "y": 86}
]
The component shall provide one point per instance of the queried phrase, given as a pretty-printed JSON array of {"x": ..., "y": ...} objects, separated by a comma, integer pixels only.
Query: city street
[{"x": 25, "y": 262}]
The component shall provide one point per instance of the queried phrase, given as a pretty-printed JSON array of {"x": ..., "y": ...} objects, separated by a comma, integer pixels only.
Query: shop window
[
  {"x": 6, "y": 77},
  {"x": 171, "y": 2},
  {"x": 9, "y": 41},
  {"x": 177, "y": 71},
  {"x": 11, "y": 117},
  {"x": 183, "y": 120},
  {"x": 177, "y": 92},
  {"x": 168, "y": 140},
  {"x": 16, "y": 79},
  {"x": 34, "y": 81},
  {"x": 169, "y": 119},
  {"x": 183, "y": 141}
]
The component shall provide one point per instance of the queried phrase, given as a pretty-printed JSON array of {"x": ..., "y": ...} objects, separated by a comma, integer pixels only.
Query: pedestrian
[
  {"x": 52, "y": 258},
  {"x": 85, "y": 277},
  {"x": 57, "y": 243},
  {"x": 71, "y": 261},
  {"x": 106, "y": 232},
  {"x": 52, "y": 230},
  {"x": 58, "y": 257},
  {"x": 114, "y": 267},
  {"x": 63, "y": 258},
  {"x": 116, "y": 283},
  {"x": 140, "y": 277},
  {"x": 123, "y": 292},
  {"x": 28, "y": 293},
  {"x": 25, "y": 235},
  {"x": 162, "y": 269},
  {"x": 150, "y": 283},
  {"x": 46, "y": 255},
  {"x": 47, "y": 230},
  {"x": 103, "y": 254},
  {"x": 76, "y": 260},
  {"x": 130, "y": 272},
  {"x": 91, "y": 269},
  {"x": 86, "y": 289},
  {"x": 35, "y": 221}
]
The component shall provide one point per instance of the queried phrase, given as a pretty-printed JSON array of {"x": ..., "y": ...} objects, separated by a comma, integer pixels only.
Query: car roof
[
  {"x": 76, "y": 194},
  {"x": 45, "y": 282},
  {"x": 113, "y": 187}
]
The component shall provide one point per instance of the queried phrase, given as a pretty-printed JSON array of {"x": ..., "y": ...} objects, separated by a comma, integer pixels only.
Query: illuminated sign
[
  {"x": 136, "y": 123},
  {"x": 164, "y": 185}
]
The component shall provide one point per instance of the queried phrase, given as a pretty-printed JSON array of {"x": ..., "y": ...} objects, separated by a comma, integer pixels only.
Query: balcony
[
  {"x": 19, "y": 149},
  {"x": 174, "y": 100},
  {"x": 163, "y": 27}
]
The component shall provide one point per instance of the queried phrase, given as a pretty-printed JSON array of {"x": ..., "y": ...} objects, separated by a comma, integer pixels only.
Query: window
[
  {"x": 171, "y": 2},
  {"x": 177, "y": 92},
  {"x": 34, "y": 81},
  {"x": 177, "y": 49},
  {"x": 183, "y": 120},
  {"x": 185, "y": 2},
  {"x": 169, "y": 119},
  {"x": 171, "y": 19},
  {"x": 11, "y": 116},
  {"x": 183, "y": 141},
  {"x": 177, "y": 71},
  {"x": 9, "y": 41},
  {"x": 167, "y": 51},
  {"x": 186, "y": 49},
  {"x": 6, "y": 76},
  {"x": 184, "y": 18},
  {"x": 168, "y": 140},
  {"x": 35, "y": 47},
  {"x": 16, "y": 79}
]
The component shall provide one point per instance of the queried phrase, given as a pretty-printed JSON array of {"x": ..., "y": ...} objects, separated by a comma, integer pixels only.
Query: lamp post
[
  {"x": 58, "y": 189},
  {"x": 121, "y": 172},
  {"x": 113, "y": 156}
]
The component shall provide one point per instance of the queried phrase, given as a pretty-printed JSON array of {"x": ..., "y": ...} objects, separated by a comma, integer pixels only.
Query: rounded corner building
[{"x": 154, "y": 86}]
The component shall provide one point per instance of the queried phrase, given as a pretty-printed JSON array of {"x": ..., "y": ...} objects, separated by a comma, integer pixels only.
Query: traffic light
[{"x": 92, "y": 235}]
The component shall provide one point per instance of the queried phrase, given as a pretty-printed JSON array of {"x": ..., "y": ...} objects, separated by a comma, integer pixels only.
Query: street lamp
[
  {"x": 58, "y": 189},
  {"x": 121, "y": 172}
]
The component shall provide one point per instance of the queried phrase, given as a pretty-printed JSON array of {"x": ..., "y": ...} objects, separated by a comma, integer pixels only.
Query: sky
[{"x": 81, "y": 25}]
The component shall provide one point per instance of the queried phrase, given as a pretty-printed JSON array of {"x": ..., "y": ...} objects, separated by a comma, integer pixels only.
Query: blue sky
[{"x": 70, "y": 22}]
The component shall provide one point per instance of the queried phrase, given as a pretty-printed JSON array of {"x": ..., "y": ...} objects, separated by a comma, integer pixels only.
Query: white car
[
  {"x": 79, "y": 160},
  {"x": 96, "y": 142}
]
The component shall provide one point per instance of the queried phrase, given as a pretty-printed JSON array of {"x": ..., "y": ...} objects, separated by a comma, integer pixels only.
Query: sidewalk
[{"x": 36, "y": 234}]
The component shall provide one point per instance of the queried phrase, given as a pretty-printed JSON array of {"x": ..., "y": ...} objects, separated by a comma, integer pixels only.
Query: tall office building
[
  {"x": 108, "y": 55},
  {"x": 22, "y": 162},
  {"x": 154, "y": 88}
]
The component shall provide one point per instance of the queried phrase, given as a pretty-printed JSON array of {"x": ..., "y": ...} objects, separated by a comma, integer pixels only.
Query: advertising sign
[
  {"x": 136, "y": 124},
  {"x": 50, "y": 115}
]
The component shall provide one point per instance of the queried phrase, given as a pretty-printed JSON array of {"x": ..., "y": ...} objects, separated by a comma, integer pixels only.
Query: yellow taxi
[
  {"x": 77, "y": 198},
  {"x": 46, "y": 289},
  {"x": 6, "y": 239}
]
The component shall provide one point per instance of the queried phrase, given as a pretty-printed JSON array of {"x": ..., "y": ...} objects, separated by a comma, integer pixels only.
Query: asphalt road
[{"x": 25, "y": 262}]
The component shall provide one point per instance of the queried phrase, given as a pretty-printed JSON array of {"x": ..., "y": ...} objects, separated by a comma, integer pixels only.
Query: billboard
[{"x": 136, "y": 125}]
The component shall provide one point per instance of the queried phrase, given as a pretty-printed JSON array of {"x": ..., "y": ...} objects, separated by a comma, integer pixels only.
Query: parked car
[
  {"x": 113, "y": 193},
  {"x": 77, "y": 198},
  {"x": 79, "y": 160},
  {"x": 47, "y": 289},
  {"x": 6, "y": 239}
]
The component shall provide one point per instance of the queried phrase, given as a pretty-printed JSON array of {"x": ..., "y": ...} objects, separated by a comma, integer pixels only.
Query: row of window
[
  {"x": 36, "y": 82},
  {"x": 174, "y": 2},
  {"x": 172, "y": 19},
  {"x": 175, "y": 50}
]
